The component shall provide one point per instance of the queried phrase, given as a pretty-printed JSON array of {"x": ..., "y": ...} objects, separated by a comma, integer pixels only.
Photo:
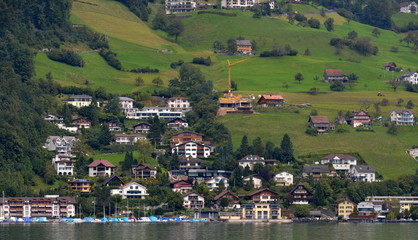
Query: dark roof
[
  {"x": 364, "y": 168},
  {"x": 145, "y": 166},
  {"x": 187, "y": 132},
  {"x": 139, "y": 124},
  {"x": 261, "y": 190},
  {"x": 129, "y": 135},
  {"x": 315, "y": 169},
  {"x": 340, "y": 156},
  {"x": 80, "y": 96},
  {"x": 191, "y": 160},
  {"x": 243, "y": 43},
  {"x": 400, "y": 111},
  {"x": 177, "y": 119},
  {"x": 220, "y": 195},
  {"x": 251, "y": 158},
  {"x": 300, "y": 185},
  {"x": 111, "y": 178},
  {"x": 96, "y": 163},
  {"x": 405, "y": 4},
  {"x": 188, "y": 181},
  {"x": 318, "y": 119},
  {"x": 389, "y": 64}
]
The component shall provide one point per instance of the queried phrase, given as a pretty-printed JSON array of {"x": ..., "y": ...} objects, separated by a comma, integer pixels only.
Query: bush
[
  {"x": 110, "y": 58},
  {"x": 66, "y": 57},
  {"x": 218, "y": 13},
  {"x": 314, "y": 23},
  {"x": 174, "y": 65},
  {"x": 145, "y": 70},
  {"x": 312, "y": 131},
  {"x": 203, "y": 61},
  {"x": 337, "y": 86},
  {"x": 300, "y": 17}
]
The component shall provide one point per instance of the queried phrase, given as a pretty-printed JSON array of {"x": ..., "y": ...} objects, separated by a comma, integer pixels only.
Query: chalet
[
  {"x": 177, "y": 123},
  {"x": 127, "y": 104},
  {"x": 409, "y": 77},
  {"x": 402, "y": 117},
  {"x": 261, "y": 211},
  {"x": 79, "y": 100},
  {"x": 283, "y": 179},
  {"x": 244, "y": 46},
  {"x": 63, "y": 165},
  {"x": 144, "y": 170},
  {"x": 142, "y": 128},
  {"x": 340, "y": 162},
  {"x": 193, "y": 201},
  {"x": 79, "y": 185},
  {"x": 179, "y": 6},
  {"x": 179, "y": 104},
  {"x": 264, "y": 195},
  {"x": 250, "y": 160},
  {"x": 321, "y": 123},
  {"x": 408, "y": 7},
  {"x": 190, "y": 163},
  {"x": 364, "y": 173},
  {"x": 345, "y": 209},
  {"x": 99, "y": 168},
  {"x": 182, "y": 186},
  {"x": 360, "y": 118},
  {"x": 128, "y": 139},
  {"x": 300, "y": 195},
  {"x": 130, "y": 190},
  {"x": 315, "y": 171},
  {"x": 232, "y": 198},
  {"x": 256, "y": 180},
  {"x": 186, "y": 136},
  {"x": 61, "y": 145},
  {"x": 270, "y": 101},
  {"x": 334, "y": 75},
  {"x": 56, "y": 119},
  {"x": 390, "y": 66},
  {"x": 214, "y": 182},
  {"x": 113, "y": 181},
  {"x": 238, "y": 4},
  {"x": 81, "y": 122},
  {"x": 113, "y": 126}
]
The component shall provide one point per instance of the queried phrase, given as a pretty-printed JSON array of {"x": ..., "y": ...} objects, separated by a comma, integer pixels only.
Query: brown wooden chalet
[
  {"x": 300, "y": 195},
  {"x": 334, "y": 75},
  {"x": 264, "y": 195},
  {"x": 270, "y": 101},
  {"x": 144, "y": 170},
  {"x": 113, "y": 181},
  {"x": 232, "y": 198},
  {"x": 142, "y": 128},
  {"x": 81, "y": 122},
  {"x": 321, "y": 123},
  {"x": 190, "y": 163}
]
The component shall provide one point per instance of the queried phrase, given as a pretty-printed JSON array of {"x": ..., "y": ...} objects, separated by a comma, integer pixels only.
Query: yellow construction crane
[{"x": 230, "y": 68}]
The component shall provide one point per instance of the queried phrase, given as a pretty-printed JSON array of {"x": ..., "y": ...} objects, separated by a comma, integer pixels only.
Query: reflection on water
[{"x": 209, "y": 231}]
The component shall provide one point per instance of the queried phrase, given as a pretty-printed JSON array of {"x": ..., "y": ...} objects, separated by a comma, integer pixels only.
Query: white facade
[
  {"x": 192, "y": 149},
  {"x": 213, "y": 183},
  {"x": 238, "y": 3},
  {"x": 131, "y": 190},
  {"x": 257, "y": 181},
  {"x": 150, "y": 112},
  {"x": 179, "y": 6},
  {"x": 283, "y": 179},
  {"x": 79, "y": 101},
  {"x": 63, "y": 165},
  {"x": 410, "y": 77},
  {"x": 128, "y": 139},
  {"x": 363, "y": 173},
  {"x": 101, "y": 168},
  {"x": 61, "y": 145},
  {"x": 406, "y": 7},
  {"x": 193, "y": 201},
  {"x": 179, "y": 104},
  {"x": 402, "y": 117},
  {"x": 126, "y": 103},
  {"x": 340, "y": 163}
]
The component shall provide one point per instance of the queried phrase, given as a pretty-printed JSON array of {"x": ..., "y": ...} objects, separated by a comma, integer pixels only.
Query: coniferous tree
[
  {"x": 244, "y": 149},
  {"x": 286, "y": 147},
  {"x": 258, "y": 148}
]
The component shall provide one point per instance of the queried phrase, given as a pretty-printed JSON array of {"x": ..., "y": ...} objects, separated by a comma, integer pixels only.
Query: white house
[
  {"x": 126, "y": 103},
  {"x": 213, "y": 183},
  {"x": 54, "y": 118},
  {"x": 63, "y": 165},
  {"x": 283, "y": 179},
  {"x": 130, "y": 190},
  {"x": 61, "y": 145},
  {"x": 192, "y": 149},
  {"x": 410, "y": 77},
  {"x": 250, "y": 160},
  {"x": 238, "y": 3},
  {"x": 149, "y": 112},
  {"x": 100, "y": 168},
  {"x": 364, "y": 173},
  {"x": 179, "y": 104},
  {"x": 340, "y": 162},
  {"x": 177, "y": 123},
  {"x": 193, "y": 201},
  {"x": 128, "y": 139},
  {"x": 402, "y": 117},
  {"x": 257, "y": 180},
  {"x": 79, "y": 100},
  {"x": 408, "y": 7}
]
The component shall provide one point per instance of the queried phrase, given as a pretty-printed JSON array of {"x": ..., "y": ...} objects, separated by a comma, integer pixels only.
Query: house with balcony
[
  {"x": 100, "y": 168},
  {"x": 232, "y": 198},
  {"x": 334, "y": 75},
  {"x": 193, "y": 201},
  {"x": 202, "y": 174},
  {"x": 179, "y": 104},
  {"x": 63, "y": 165},
  {"x": 126, "y": 104},
  {"x": 177, "y": 123},
  {"x": 238, "y": 3},
  {"x": 316, "y": 171},
  {"x": 234, "y": 104},
  {"x": 190, "y": 163},
  {"x": 283, "y": 179},
  {"x": 250, "y": 160},
  {"x": 55, "y": 119},
  {"x": 402, "y": 117},
  {"x": 128, "y": 139},
  {"x": 264, "y": 195},
  {"x": 61, "y": 145},
  {"x": 364, "y": 173},
  {"x": 405, "y": 202},
  {"x": 360, "y": 118},
  {"x": 409, "y": 77},
  {"x": 340, "y": 162},
  {"x": 113, "y": 181},
  {"x": 79, "y": 100},
  {"x": 270, "y": 101},
  {"x": 261, "y": 211},
  {"x": 300, "y": 195},
  {"x": 321, "y": 123},
  {"x": 190, "y": 144},
  {"x": 79, "y": 185},
  {"x": 244, "y": 46},
  {"x": 182, "y": 186},
  {"x": 150, "y": 112},
  {"x": 132, "y": 190},
  {"x": 213, "y": 183},
  {"x": 80, "y": 122},
  {"x": 345, "y": 209},
  {"x": 113, "y": 126},
  {"x": 179, "y": 6},
  {"x": 408, "y": 7},
  {"x": 142, "y": 128},
  {"x": 144, "y": 170}
]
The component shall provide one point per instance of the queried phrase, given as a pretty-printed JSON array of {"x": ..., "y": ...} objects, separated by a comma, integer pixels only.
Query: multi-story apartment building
[
  {"x": 179, "y": 104},
  {"x": 149, "y": 112},
  {"x": 238, "y": 3},
  {"x": 179, "y": 6},
  {"x": 63, "y": 165},
  {"x": 79, "y": 185},
  {"x": 193, "y": 201},
  {"x": 261, "y": 211}
]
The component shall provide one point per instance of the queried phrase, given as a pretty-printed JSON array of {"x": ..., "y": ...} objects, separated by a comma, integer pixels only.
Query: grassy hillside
[
  {"x": 384, "y": 151},
  {"x": 402, "y": 19}
]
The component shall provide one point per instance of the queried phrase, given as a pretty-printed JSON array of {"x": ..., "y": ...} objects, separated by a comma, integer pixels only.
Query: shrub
[
  {"x": 203, "y": 61},
  {"x": 110, "y": 58},
  {"x": 218, "y": 13},
  {"x": 67, "y": 57},
  {"x": 174, "y": 65},
  {"x": 145, "y": 70},
  {"x": 312, "y": 131},
  {"x": 337, "y": 86}
]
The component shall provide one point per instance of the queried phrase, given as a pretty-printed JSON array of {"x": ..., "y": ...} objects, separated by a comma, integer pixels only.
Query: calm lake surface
[{"x": 212, "y": 231}]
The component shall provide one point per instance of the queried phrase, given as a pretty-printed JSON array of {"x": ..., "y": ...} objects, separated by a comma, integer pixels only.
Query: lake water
[{"x": 212, "y": 231}]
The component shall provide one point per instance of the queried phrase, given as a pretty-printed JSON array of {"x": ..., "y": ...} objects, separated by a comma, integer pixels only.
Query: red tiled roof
[
  {"x": 333, "y": 72},
  {"x": 96, "y": 163}
]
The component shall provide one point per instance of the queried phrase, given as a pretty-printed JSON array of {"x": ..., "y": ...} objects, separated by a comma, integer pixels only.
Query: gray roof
[
  {"x": 315, "y": 169},
  {"x": 244, "y": 43},
  {"x": 80, "y": 96},
  {"x": 364, "y": 168},
  {"x": 125, "y": 99},
  {"x": 400, "y": 111},
  {"x": 191, "y": 160},
  {"x": 340, "y": 156}
]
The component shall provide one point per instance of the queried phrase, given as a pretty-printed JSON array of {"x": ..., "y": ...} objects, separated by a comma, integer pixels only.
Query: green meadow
[
  {"x": 402, "y": 19},
  {"x": 116, "y": 158}
]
